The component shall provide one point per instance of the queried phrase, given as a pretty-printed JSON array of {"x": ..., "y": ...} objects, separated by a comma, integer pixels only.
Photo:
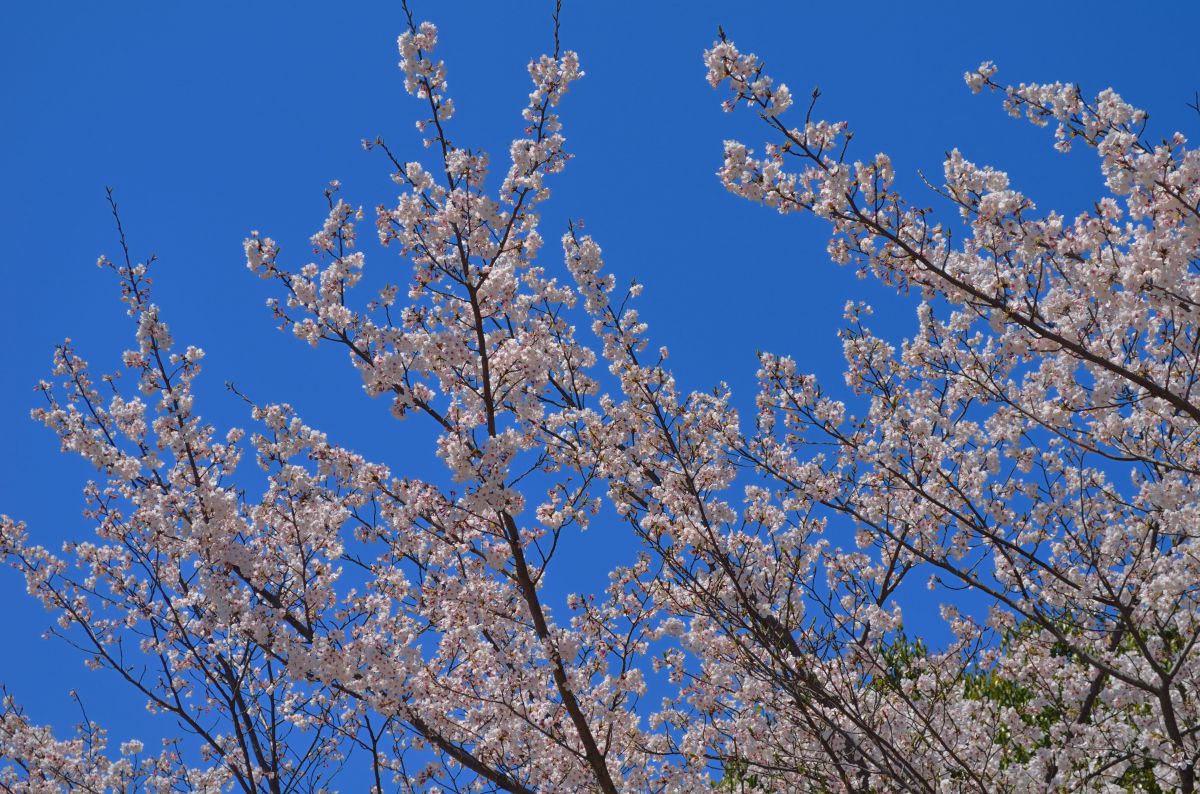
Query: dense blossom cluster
[{"x": 1036, "y": 444}]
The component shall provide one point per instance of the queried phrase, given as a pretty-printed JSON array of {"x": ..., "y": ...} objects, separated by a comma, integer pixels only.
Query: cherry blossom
[{"x": 1029, "y": 455}]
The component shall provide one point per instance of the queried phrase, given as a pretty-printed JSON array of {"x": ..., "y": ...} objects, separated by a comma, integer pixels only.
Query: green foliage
[
  {"x": 902, "y": 662},
  {"x": 737, "y": 777},
  {"x": 989, "y": 686},
  {"x": 904, "y": 659},
  {"x": 1140, "y": 778},
  {"x": 1004, "y": 693}
]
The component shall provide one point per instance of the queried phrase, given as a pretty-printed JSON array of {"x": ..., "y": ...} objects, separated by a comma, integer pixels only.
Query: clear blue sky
[{"x": 212, "y": 119}]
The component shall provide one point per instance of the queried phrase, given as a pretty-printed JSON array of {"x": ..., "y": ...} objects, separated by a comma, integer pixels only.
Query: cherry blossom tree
[{"x": 1030, "y": 455}]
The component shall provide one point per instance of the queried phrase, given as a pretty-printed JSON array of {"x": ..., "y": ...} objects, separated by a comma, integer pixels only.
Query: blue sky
[{"x": 213, "y": 119}]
